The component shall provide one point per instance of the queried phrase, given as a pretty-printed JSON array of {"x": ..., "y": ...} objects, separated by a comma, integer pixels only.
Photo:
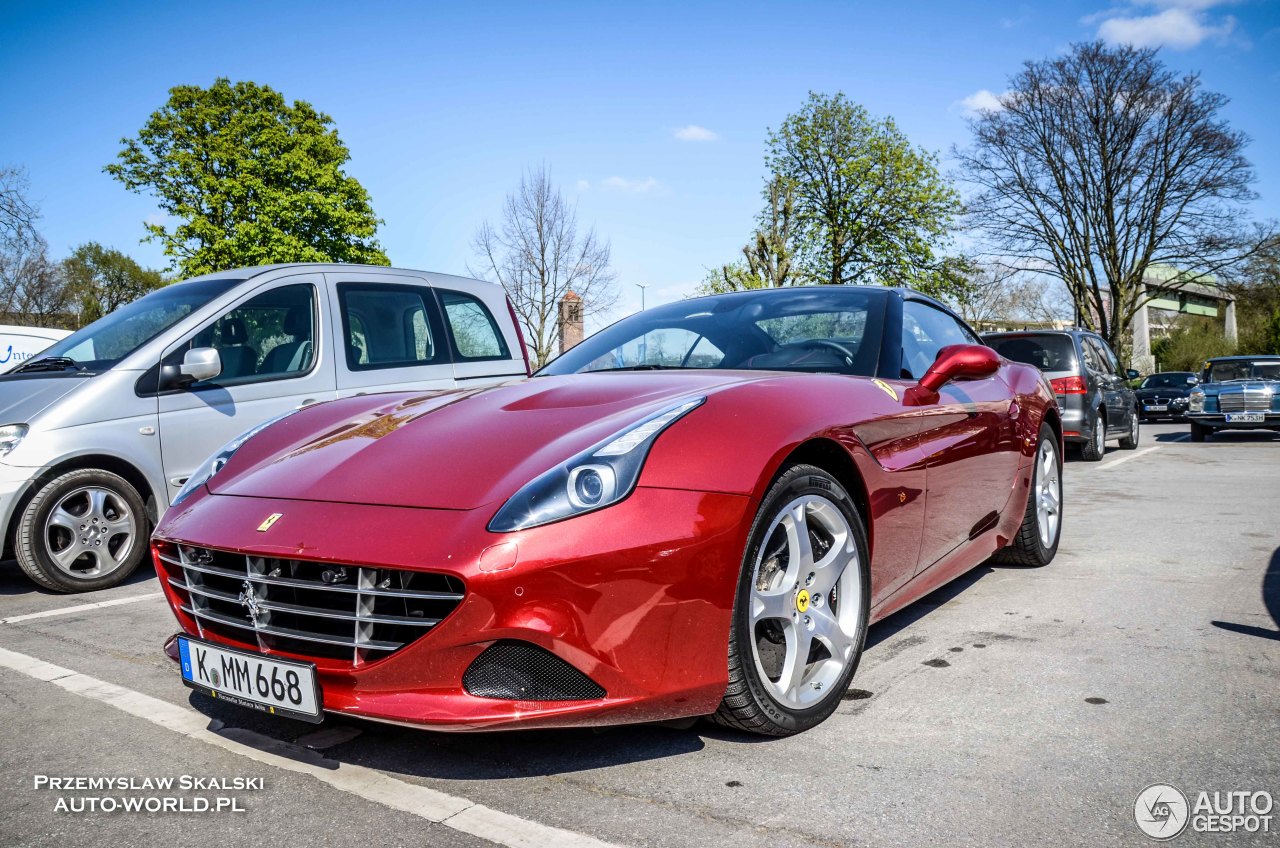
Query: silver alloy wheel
[
  {"x": 1100, "y": 435},
  {"x": 1133, "y": 428},
  {"x": 1048, "y": 493},
  {"x": 90, "y": 532},
  {"x": 806, "y": 602}
]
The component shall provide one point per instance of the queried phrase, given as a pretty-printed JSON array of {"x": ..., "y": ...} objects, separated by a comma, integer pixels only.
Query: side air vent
[{"x": 510, "y": 670}]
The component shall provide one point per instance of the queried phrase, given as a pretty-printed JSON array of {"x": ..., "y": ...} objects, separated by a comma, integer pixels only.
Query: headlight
[
  {"x": 214, "y": 464},
  {"x": 10, "y": 435},
  {"x": 1195, "y": 401},
  {"x": 598, "y": 477}
]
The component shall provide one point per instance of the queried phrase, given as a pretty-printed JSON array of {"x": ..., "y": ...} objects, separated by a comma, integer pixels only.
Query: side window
[
  {"x": 925, "y": 331},
  {"x": 1108, "y": 356},
  {"x": 475, "y": 333},
  {"x": 1094, "y": 359},
  {"x": 271, "y": 336},
  {"x": 389, "y": 326}
]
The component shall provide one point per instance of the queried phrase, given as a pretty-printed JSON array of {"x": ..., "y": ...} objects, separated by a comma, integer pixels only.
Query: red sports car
[{"x": 696, "y": 512}]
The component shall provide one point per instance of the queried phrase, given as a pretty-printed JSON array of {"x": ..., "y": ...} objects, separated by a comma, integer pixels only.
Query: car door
[
  {"x": 274, "y": 360},
  {"x": 967, "y": 437},
  {"x": 392, "y": 335},
  {"x": 482, "y": 354},
  {"x": 1115, "y": 392}
]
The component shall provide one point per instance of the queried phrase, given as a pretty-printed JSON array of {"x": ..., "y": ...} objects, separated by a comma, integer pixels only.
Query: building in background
[{"x": 1159, "y": 315}]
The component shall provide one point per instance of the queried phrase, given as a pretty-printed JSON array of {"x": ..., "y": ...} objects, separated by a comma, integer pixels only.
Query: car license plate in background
[
  {"x": 279, "y": 687},
  {"x": 1246, "y": 417},
  {"x": 1157, "y": 407}
]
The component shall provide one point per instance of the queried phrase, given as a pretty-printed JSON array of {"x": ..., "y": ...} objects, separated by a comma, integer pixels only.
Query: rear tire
[
  {"x": 1096, "y": 448},
  {"x": 796, "y": 602},
  {"x": 1199, "y": 431},
  {"x": 1130, "y": 441},
  {"x": 84, "y": 530},
  {"x": 1036, "y": 542}
]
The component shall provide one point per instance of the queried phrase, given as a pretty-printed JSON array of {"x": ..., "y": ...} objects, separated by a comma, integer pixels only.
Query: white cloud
[
  {"x": 635, "y": 186},
  {"x": 980, "y": 101},
  {"x": 582, "y": 185},
  {"x": 1180, "y": 25},
  {"x": 693, "y": 132}
]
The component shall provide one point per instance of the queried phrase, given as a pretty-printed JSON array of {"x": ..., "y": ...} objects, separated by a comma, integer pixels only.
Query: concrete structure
[
  {"x": 1168, "y": 303},
  {"x": 571, "y": 331}
]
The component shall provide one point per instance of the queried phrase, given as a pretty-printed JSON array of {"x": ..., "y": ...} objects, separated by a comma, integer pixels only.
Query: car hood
[
  {"x": 24, "y": 397},
  {"x": 451, "y": 450},
  {"x": 1163, "y": 392}
]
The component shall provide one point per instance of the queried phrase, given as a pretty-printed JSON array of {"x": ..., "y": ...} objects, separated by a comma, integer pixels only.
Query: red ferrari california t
[{"x": 697, "y": 511}]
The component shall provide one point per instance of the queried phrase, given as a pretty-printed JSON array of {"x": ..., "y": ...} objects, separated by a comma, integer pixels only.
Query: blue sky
[{"x": 443, "y": 106}]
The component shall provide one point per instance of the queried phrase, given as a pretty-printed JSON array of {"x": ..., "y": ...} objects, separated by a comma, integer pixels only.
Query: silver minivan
[{"x": 100, "y": 432}]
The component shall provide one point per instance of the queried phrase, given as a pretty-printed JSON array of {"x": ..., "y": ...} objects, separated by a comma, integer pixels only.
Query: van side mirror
[
  {"x": 1132, "y": 375},
  {"x": 200, "y": 363},
  {"x": 960, "y": 361},
  {"x": 1191, "y": 381}
]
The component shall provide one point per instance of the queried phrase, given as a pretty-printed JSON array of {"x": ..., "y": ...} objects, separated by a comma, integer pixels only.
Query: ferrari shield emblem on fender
[
  {"x": 270, "y": 520},
  {"x": 888, "y": 389}
]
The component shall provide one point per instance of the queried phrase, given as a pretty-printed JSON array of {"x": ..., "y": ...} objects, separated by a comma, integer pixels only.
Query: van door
[
  {"x": 482, "y": 354},
  {"x": 392, "y": 336},
  {"x": 274, "y": 359}
]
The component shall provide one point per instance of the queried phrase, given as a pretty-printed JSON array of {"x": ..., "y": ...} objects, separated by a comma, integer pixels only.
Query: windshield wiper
[
  {"x": 49, "y": 363},
  {"x": 644, "y": 368}
]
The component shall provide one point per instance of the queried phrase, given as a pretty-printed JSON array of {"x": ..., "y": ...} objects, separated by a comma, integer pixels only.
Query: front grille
[
  {"x": 335, "y": 611},
  {"x": 1245, "y": 401},
  {"x": 511, "y": 670}
]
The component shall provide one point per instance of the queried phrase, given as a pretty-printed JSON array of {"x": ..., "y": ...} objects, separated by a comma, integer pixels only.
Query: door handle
[{"x": 305, "y": 403}]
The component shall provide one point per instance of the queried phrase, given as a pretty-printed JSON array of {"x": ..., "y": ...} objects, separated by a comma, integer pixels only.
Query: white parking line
[
  {"x": 453, "y": 812},
  {"x": 132, "y": 599},
  {"x": 1128, "y": 457}
]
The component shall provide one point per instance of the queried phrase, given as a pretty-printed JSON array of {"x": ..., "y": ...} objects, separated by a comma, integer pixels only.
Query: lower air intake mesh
[{"x": 518, "y": 671}]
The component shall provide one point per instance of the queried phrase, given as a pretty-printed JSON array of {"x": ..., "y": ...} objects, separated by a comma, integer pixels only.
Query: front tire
[
  {"x": 1130, "y": 442},
  {"x": 1036, "y": 543},
  {"x": 83, "y": 530},
  {"x": 800, "y": 616}
]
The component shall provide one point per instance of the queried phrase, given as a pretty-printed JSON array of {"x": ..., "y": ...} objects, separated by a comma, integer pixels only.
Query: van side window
[
  {"x": 475, "y": 333},
  {"x": 389, "y": 326},
  {"x": 268, "y": 337}
]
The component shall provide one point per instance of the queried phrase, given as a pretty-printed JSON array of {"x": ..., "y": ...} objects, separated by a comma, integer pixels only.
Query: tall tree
[
  {"x": 102, "y": 280},
  {"x": 18, "y": 213},
  {"x": 33, "y": 290},
  {"x": 769, "y": 258},
  {"x": 252, "y": 180},
  {"x": 538, "y": 255},
  {"x": 872, "y": 207},
  {"x": 1101, "y": 163}
]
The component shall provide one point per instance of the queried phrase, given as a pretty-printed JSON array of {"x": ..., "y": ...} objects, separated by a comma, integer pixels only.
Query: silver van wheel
[
  {"x": 83, "y": 530},
  {"x": 90, "y": 532}
]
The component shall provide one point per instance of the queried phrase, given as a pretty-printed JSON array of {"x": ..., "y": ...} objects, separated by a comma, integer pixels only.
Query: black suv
[{"x": 1093, "y": 393}]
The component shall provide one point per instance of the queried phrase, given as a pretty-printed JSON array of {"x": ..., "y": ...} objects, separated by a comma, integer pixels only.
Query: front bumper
[
  {"x": 1218, "y": 421},
  {"x": 638, "y": 597}
]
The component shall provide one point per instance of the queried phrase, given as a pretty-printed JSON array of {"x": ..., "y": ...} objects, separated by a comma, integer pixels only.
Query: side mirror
[
  {"x": 1132, "y": 375},
  {"x": 200, "y": 363},
  {"x": 1191, "y": 381},
  {"x": 960, "y": 361}
]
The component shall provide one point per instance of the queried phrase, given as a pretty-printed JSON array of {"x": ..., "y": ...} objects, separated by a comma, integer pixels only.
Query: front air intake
[{"x": 518, "y": 671}]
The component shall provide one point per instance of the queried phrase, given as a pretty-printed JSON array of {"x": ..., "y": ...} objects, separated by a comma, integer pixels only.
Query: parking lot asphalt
[{"x": 1015, "y": 706}]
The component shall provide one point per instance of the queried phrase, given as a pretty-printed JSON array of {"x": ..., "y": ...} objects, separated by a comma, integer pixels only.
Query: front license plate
[
  {"x": 279, "y": 687},
  {"x": 1156, "y": 407},
  {"x": 1246, "y": 417}
]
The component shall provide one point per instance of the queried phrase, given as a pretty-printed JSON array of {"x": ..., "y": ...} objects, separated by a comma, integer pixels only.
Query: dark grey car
[{"x": 1093, "y": 393}]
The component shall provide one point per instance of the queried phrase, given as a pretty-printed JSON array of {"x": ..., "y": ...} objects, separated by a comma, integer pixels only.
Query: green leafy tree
[
  {"x": 871, "y": 207},
  {"x": 1190, "y": 343},
  {"x": 1257, "y": 295},
  {"x": 769, "y": 259},
  {"x": 101, "y": 280},
  {"x": 251, "y": 179}
]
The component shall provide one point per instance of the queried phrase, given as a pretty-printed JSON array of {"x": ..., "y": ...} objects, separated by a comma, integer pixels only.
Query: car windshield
[
  {"x": 802, "y": 329},
  {"x": 111, "y": 338},
  {"x": 1168, "y": 380},
  {"x": 1226, "y": 370},
  {"x": 1048, "y": 352}
]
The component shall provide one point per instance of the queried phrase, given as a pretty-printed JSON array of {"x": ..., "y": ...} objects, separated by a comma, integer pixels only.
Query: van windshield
[{"x": 111, "y": 338}]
